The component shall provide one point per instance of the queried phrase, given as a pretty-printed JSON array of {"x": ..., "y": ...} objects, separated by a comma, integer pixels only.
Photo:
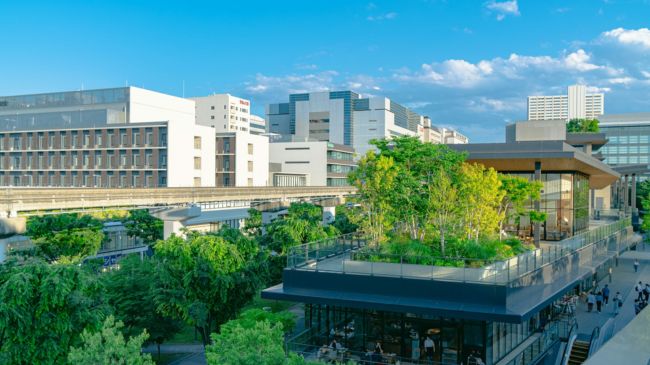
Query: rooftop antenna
[{"x": 82, "y": 86}]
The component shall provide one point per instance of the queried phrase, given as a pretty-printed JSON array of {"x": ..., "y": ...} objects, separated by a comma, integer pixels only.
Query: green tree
[
  {"x": 417, "y": 164},
  {"x": 108, "y": 346},
  {"x": 375, "y": 180},
  {"x": 44, "y": 308},
  {"x": 130, "y": 291},
  {"x": 205, "y": 280},
  {"x": 140, "y": 223},
  {"x": 582, "y": 126},
  {"x": 253, "y": 224},
  {"x": 443, "y": 206},
  {"x": 517, "y": 193},
  {"x": 345, "y": 221},
  {"x": 237, "y": 345},
  {"x": 48, "y": 225},
  {"x": 480, "y": 196},
  {"x": 302, "y": 224},
  {"x": 248, "y": 318},
  {"x": 70, "y": 245}
]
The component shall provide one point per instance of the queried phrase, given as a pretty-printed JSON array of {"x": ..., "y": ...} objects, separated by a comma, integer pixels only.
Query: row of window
[
  {"x": 625, "y": 149},
  {"x": 81, "y": 159},
  {"x": 626, "y": 140},
  {"x": 84, "y": 179},
  {"x": 623, "y": 160},
  {"x": 339, "y": 155},
  {"x": 76, "y": 139}
]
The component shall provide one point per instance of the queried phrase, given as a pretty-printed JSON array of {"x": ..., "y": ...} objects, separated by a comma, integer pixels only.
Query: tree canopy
[
  {"x": 108, "y": 346},
  {"x": 205, "y": 280},
  {"x": 44, "y": 308},
  {"x": 582, "y": 126},
  {"x": 429, "y": 193}
]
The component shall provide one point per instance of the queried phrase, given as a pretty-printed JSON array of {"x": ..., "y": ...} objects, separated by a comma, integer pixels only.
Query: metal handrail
[
  {"x": 571, "y": 338},
  {"x": 595, "y": 334}
]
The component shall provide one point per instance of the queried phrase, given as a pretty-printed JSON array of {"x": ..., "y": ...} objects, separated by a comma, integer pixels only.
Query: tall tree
[
  {"x": 375, "y": 179},
  {"x": 443, "y": 206},
  {"x": 44, "y": 308},
  {"x": 130, "y": 291},
  {"x": 253, "y": 224},
  {"x": 517, "y": 193},
  {"x": 108, "y": 346},
  {"x": 302, "y": 224},
  {"x": 69, "y": 245},
  {"x": 480, "y": 196},
  {"x": 205, "y": 280}
]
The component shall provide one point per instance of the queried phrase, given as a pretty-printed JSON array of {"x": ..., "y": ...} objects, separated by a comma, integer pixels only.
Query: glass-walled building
[
  {"x": 629, "y": 139},
  {"x": 564, "y": 199}
]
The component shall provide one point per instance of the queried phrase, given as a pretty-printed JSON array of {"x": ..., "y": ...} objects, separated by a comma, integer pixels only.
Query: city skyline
[{"x": 471, "y": 69}]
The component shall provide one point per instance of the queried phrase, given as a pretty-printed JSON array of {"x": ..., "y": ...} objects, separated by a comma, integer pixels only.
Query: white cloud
[
  {"x": 503, "y": 8},
  {"x": 478, "y": 96},
  {"x": 292, "y": 83},
  {"x": 637, "y": 37},
  {"x": 579, "y": 60},
  {"x": 387, "y": 16}
]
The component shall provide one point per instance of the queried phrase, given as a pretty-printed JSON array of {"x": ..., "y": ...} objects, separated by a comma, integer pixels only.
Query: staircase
[{"x": 579, "y": 352}]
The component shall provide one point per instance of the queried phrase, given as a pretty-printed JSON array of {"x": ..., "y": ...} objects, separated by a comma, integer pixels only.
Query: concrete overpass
[{"x": 14, "y": 201}]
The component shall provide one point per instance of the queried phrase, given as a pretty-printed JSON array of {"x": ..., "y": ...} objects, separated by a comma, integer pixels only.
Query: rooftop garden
[
  {"x": 423, "y": 203},
  {"x": 582, "y": 126}
]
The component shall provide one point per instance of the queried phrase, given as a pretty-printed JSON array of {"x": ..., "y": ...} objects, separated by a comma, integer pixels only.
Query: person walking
[
  {"x": 606, "y": 295},
  {"x": 646, "y": 292},
  {"x": 618, "y": 302},
  {"x": 429, "y": 348},
  {"x": 599, "y": 301},
  {"x": 636, "y": 265},
  {"x": 591, "y": 299}
]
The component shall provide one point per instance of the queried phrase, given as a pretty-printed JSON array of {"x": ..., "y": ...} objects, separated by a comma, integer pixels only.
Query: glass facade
[
  {"x": 564, "y": 199},
  {"x": 402, "y": 335},
  {"x": 628, "y": 145},
  {"x": 348, "y": 97}
]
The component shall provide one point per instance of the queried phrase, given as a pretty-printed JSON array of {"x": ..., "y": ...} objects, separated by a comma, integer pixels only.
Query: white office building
[
  {"x": 311, "y": 163},
  {"x": 257, "y": 124},
  {"x": 341, "y": 117},
  {"x": 223, "y": 112},
  {"x": 111, "y": 138},
  {"x": 242, "y": 159},
  {"x": 576, "y": 104}
]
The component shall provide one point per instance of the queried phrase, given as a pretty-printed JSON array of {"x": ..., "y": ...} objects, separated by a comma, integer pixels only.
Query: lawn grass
[{"x": 275, "y": 305}]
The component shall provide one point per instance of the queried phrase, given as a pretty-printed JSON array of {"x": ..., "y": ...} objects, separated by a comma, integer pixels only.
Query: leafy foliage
[
  {"x": 108, "y": 346},
  {"x": 345, "y": 221},
  {"x": 140, "y": 223},
  {"x": 205, "y": 280},
  {"x": 44, "y": 308},
  {"x": 253, "y": 225},
  {"x": 302, "y": 224},
  {"x": 49, "y": 225},
  {"x": 238, "y": 345},
  {"x": 130, "y": 292},
  {"x": 582, "y": 126}
]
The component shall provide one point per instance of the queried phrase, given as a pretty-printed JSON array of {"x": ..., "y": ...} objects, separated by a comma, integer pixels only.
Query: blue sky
[{"x": 466, "y": 64}]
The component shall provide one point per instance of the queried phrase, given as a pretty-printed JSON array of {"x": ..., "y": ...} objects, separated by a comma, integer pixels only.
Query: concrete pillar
[
  {"x": 329, "y": 214},
  {"x": 634, "y": 211},
  {"x": 592, "y": 203},
  {"x": 626, "y": 194},
  {"x": 537, "y": 226},
  {"x": 170, "y": 227}
]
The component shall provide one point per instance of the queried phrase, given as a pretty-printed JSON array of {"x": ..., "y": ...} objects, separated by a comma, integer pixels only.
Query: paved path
[
  {"x": 623, "y": 279},
  {"x": 194, "y": 353}
]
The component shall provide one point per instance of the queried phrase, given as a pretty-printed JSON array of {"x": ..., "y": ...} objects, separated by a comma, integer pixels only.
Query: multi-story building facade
[
  {"x": 629, "y": 139},
  {"x": 120, "y": 137},
  {"x": 341, "y": 117},
  {"x": 224, "y": 113},
  {"x": 577, "y": 104},
  {"x": 257, "y": 124},
  {"x": 312, "y": 163},
  {"x": 242, "y": 159}
]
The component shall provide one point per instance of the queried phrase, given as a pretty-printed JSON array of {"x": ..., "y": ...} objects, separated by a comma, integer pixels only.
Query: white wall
[
  {"x": 234, "y": 117},
  {"x": 259, "y": 157},
  {"x": 151, "y": 106},
  {"x": 207, "y": 154},
  {"x": 311, "y": 158}
]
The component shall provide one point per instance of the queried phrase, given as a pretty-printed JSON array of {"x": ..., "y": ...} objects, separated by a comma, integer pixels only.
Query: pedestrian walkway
[{"x": 623, "y": 279}]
